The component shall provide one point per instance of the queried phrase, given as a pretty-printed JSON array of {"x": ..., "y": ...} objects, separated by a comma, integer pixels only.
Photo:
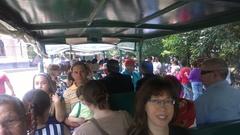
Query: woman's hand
[{"x": 56, "y": 98}]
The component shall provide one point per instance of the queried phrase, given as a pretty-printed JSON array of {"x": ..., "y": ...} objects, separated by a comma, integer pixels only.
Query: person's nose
[{"x": 40, "y": 86}]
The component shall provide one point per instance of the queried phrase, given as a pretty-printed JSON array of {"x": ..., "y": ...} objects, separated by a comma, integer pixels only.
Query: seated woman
[
  {"x": 37, "y": 104},
  {"x": 156, "y": 102},
  {"x": 104, "y": 121},
  {"x": 80, "y": 112},
  {"x": 186, "y": 116},
  {"x": 13, "y": 120},
  {"x": 57, "y": 111},
  {"x": 79, "y": 72}
]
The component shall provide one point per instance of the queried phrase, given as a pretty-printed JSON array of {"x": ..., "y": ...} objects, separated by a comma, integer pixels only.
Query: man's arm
[{"x": 10, "y": 87}]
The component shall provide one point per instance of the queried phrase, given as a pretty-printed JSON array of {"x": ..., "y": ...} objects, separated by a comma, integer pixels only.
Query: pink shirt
[
  {"x": 184, "y": 73},
  {"x": 3, "y": 79}
]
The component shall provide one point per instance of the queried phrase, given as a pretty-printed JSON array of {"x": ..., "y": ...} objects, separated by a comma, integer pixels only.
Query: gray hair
[{"x": 217, "y": 64}]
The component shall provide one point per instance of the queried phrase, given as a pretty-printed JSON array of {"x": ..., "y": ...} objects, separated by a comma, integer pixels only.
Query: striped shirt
[
  {"x": 70, "y": 98},
  {"x": 50, "y": 129}
]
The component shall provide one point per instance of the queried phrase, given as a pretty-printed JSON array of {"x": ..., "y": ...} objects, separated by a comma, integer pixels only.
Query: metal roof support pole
[
  {"x": 41, "y": 64},
  {"x": 139, "y": 51},
  {"x": 92, "y": 16},
  {"x": 161, "y": 12},
  {"x": 71, "y": 52},
  {"x": 104, "y": 54}
]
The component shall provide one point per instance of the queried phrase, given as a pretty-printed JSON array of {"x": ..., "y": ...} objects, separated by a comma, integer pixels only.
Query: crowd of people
[{"x": 169, "y": 99}]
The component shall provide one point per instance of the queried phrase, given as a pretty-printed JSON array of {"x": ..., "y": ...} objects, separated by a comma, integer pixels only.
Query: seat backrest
[
  {"x": 122, "y": 101},
  {"x": 222, "y": 128}
]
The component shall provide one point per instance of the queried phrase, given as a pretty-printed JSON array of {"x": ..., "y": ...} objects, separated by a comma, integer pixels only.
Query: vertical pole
[
  {"x": 139, "y": 51},
  {"x": 70, "y": 54},
  {"x": 41, "y": 64},
  {"x": 104, "y": 54}
]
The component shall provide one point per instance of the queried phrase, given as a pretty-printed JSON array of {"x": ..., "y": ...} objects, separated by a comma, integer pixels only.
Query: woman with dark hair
[
  {"x": 37, "y": 104},
  {"x": 156, "y": 104},
  {"x": 13, "y": 120},
  {"x": 104, "y": 121}
]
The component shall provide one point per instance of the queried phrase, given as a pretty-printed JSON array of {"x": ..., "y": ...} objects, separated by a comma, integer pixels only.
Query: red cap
[{"x": 129, "y": 62}]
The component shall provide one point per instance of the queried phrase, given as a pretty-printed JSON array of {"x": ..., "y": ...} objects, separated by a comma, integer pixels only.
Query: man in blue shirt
[{"x": 221, "y": 101}]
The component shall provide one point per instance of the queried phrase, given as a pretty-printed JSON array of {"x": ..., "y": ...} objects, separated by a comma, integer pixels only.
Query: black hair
[
  {"x": 36, "y": 103},
  {"x": 152, "y": 87},
  {"x": 38, "y": 100},
  {"x": 113, "y": 66}
]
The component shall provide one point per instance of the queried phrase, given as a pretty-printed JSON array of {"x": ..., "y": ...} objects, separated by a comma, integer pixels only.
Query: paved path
[{"x": 21, "y": 80}]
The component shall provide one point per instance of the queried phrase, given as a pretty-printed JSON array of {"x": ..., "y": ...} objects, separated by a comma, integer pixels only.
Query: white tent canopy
[{"x": 80, "y": 49}]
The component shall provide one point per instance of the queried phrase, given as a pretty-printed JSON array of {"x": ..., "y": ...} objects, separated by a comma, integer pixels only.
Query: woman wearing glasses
[{"x": 155, "y": 109}]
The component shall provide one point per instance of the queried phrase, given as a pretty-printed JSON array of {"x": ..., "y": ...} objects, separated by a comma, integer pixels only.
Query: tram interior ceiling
[{"x": 57, "y": 21}]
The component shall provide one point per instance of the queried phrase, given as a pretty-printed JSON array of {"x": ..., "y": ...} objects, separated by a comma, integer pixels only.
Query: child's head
[
  {"x": 38, "y": 103},
  {"x": 95, "y": 93},
  {"x": 43, "y": 81}
]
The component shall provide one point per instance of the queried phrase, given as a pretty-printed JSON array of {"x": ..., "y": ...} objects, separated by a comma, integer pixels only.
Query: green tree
[
  {"x": 31, "y": 53},
  {"x": 152, "y": 47},
  {"x": 222, "y": 41}
]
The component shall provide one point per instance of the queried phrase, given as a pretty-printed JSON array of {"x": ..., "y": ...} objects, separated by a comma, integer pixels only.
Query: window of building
[{"x": 2, "y": 49}]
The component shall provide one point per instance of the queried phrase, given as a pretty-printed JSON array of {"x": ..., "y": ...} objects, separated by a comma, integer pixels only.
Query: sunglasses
[{"x": 206, "y": 72}]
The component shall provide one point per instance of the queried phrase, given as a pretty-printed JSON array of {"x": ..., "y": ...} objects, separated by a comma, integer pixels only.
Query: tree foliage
[
  {"x": 152, "y": 47},
  {"x": 222, "y": 41}
]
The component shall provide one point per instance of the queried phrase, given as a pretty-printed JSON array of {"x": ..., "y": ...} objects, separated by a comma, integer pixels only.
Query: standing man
[
  {"x": 221, "y": 101},
  {"x": 130, "y": 70},
  {"x": 116, "y": 82},
  {"x": 4, "y": 79}
]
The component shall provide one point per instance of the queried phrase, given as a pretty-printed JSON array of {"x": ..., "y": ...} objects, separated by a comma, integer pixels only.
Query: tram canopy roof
[{"x": 112, "y": 21}]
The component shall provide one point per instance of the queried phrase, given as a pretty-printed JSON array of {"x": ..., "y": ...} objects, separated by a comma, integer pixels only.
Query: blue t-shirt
[{"x": 219, "y": 103}]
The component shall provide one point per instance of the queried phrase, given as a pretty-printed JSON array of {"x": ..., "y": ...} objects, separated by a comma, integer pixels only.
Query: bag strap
[
  {"x": 94, "y": 121},
  {"x": 79, "y": 109}
]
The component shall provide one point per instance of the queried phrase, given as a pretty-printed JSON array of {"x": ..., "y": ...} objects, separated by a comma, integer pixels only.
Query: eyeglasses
[
  {"x": 206, "y": 72},
  {"x": 167, "y": 102},
  {"x": 11, "y": 122}
]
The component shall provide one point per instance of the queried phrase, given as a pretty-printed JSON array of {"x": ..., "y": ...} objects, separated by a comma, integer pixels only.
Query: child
[
  {"x": 43, "y": 82},
  {"x": 80, "y": 112},
  {"x": 37, "y": 104}
]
